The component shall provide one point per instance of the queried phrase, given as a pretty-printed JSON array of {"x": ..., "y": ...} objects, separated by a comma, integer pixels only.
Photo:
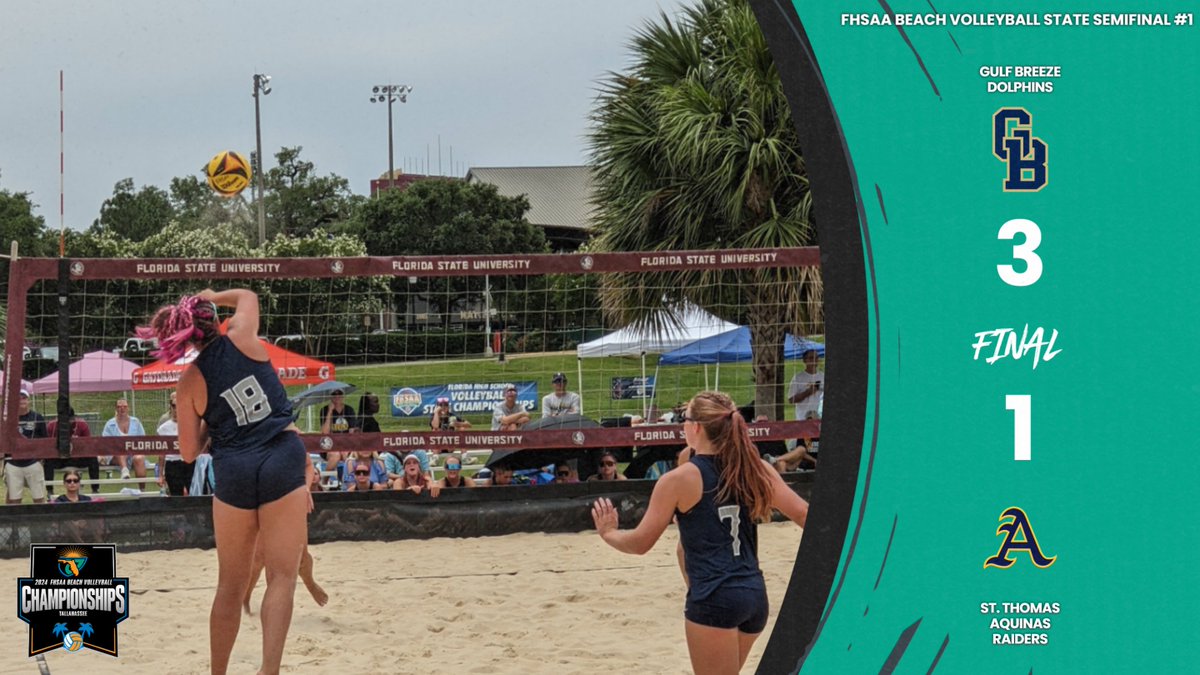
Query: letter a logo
[
  {"x": 1014, "y": 144},
  {"x": 1026, "y": 541}
]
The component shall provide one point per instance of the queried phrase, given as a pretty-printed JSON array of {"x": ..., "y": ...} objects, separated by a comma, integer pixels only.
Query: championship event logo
[
  {"x": 72, "y": 598},
  {"x": 406, "y": 399}
]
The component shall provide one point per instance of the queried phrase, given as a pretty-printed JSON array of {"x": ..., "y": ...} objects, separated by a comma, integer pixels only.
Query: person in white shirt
[
  {"x": 561, "y": 402},
  {"x": 172, "y": 471},
  {"x": 807, "y": 388}
]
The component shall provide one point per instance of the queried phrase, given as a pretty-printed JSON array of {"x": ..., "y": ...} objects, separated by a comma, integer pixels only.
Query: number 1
[{"x": 1022, "y": 425}]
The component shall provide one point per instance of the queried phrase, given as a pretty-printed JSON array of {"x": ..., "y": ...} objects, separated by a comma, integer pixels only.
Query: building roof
[{"x": 558, "y": 196}]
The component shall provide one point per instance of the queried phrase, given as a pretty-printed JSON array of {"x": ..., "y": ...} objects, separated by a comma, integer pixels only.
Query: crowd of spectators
[{"x": 376, "y": 471}]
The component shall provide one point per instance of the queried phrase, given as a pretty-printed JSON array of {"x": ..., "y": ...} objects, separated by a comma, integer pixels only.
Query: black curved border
[{"x": 837, "y": 206}]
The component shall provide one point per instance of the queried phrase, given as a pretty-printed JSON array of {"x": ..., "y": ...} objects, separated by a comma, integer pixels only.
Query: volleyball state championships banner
[{"x": 1006, "y": 199}]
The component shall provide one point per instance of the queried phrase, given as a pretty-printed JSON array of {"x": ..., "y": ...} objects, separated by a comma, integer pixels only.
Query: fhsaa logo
[
  {"x": 406, "y": 400},
  {"x": 1014, "y": 144}
]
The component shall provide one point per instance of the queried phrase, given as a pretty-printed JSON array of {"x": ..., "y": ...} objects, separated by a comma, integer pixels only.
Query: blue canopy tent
[{"x": 731, "y": 347}]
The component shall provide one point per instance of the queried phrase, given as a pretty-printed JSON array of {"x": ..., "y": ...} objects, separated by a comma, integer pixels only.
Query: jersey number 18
[{"x": 248, "y": 401}]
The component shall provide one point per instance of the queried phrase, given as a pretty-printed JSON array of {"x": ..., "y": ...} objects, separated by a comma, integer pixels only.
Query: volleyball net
[{"x": 635, "y": 335}]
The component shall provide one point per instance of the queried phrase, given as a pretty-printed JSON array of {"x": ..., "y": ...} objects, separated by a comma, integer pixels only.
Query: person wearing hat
[
  {"x": 508, "y": 415},
  {"x": 22, "y": 473},
  {"x": 337, "y": 418},
  {"x": 444, "y": 419},
  {"x": 561, "y": 402},
  {"x": 413, "y": 477}
]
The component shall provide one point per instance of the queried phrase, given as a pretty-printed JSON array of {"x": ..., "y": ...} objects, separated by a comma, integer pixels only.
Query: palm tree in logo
[
  {"x": 59, "y": 629},
  {"x": 85, "y": 629}
]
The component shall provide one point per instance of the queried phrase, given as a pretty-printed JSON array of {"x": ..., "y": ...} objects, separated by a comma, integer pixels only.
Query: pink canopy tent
[{"x": 95, "y": 372}]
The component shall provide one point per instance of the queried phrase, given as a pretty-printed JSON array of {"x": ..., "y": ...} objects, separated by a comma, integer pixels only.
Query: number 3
[{"x": 1025, "y": 251}]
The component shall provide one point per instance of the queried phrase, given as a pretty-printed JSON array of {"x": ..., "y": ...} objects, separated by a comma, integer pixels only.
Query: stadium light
[
  {"x": 260, "y": 86},
  {"x": 390, "y": 93}
]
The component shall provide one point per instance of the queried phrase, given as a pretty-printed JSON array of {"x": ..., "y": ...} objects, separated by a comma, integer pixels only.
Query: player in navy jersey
[
  {"x": 231, "y": 396},
  {"x": 719, "y": 495}
]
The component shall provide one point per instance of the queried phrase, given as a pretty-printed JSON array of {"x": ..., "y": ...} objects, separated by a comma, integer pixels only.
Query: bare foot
[{"x": 318, "y": 593}]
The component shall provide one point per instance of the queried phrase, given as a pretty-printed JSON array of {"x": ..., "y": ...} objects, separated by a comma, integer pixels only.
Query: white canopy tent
[{"x": 692, "y": 323}]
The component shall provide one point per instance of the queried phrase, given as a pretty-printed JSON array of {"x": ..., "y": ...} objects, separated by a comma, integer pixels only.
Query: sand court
[{"x": 520, "y": 603}]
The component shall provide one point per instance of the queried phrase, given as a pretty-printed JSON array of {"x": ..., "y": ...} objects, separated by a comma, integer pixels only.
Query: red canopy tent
[{"x": 293, "y": 369}]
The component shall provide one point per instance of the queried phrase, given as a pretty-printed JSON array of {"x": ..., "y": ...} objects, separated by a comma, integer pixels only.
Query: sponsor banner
[
  {"x": 632, "y": 387},
  {"x": 72, "y": 598},
  {"x": 465, "y": 397}
]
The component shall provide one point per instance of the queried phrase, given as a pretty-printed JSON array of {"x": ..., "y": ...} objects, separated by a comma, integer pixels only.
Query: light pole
[
  {"x": 390, "y": 93},
  {"x": 261, "y": 84}
]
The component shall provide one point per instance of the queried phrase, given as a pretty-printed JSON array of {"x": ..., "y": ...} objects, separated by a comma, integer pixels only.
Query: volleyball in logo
[
  {"x": 228, "y": 173},
  {"x": 72, "y": 642}
]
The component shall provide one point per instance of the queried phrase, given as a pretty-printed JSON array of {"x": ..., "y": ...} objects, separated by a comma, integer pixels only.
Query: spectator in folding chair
[
  {"x": 444, "y": 419},
  {"x": 453, "y": 477},
  {"x": 508, "y": 415},
  {"x": 79, "y": 429},
  {"x": 124, "y": 424},
  {"x": 337, "y": 418},
  {"x": 368, "y": 408},
  {"x": 413, "y": 478}
]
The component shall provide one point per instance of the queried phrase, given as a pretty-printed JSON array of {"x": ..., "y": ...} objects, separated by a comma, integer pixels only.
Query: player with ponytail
[
  {"x": 231, "y": 395},
  {"x": 718, "y": 496}
]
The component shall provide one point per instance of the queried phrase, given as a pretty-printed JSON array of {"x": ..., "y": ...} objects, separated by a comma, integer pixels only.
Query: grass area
[{"x": 675, "y": 384}]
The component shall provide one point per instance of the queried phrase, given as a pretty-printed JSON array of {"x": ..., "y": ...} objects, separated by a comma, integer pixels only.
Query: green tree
[
  {"x": 196, "y": 204},
  {"x": 446, "y": 217},
  {"x": 694, "y": 148},
  {"x": 19, "y": 224},
  {"x": 298, "y": 201},
  {"x": 134, "y": 215},
  {"x": 451, "y": 217}
]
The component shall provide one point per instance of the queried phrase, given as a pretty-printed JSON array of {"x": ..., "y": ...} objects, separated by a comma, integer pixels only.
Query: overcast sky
[{"x": 154, "y": 89}]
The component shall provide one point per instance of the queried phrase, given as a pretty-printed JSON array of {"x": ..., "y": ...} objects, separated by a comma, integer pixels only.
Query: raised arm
[
  {"x": 641, "y": 539},
  {"x": 243, "y": 326}
]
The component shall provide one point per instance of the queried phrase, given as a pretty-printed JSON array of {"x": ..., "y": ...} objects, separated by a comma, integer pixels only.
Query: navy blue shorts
[
  {"x": 248, "y": 479},
  {"x": 742, "y": 608}
]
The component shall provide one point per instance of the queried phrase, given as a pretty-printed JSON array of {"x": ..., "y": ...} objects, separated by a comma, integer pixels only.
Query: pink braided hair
[{"x": 192, "y": 321}]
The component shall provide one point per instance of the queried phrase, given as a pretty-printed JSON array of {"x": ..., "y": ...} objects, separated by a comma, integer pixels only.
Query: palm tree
[{"x": 694, "y": 148}]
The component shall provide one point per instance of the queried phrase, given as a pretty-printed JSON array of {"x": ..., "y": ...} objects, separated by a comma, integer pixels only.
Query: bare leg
[
  {"x": 715, "y": 651},
  {"x": 235, "y": 531},
  {"x": 310, "y": 582},
  {"x": 284, "y": 534},
  {"x": 139, "y": 469},
  {"x": 255, "y": 571}
]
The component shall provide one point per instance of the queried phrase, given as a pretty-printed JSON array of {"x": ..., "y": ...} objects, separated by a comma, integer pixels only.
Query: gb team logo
[
  {"x": 1018, "y": 537},
  {"x": 1023, "y": 153}
]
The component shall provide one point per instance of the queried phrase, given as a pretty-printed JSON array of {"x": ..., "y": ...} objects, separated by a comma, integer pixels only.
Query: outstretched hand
[{"x": 604, "y": 515}]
